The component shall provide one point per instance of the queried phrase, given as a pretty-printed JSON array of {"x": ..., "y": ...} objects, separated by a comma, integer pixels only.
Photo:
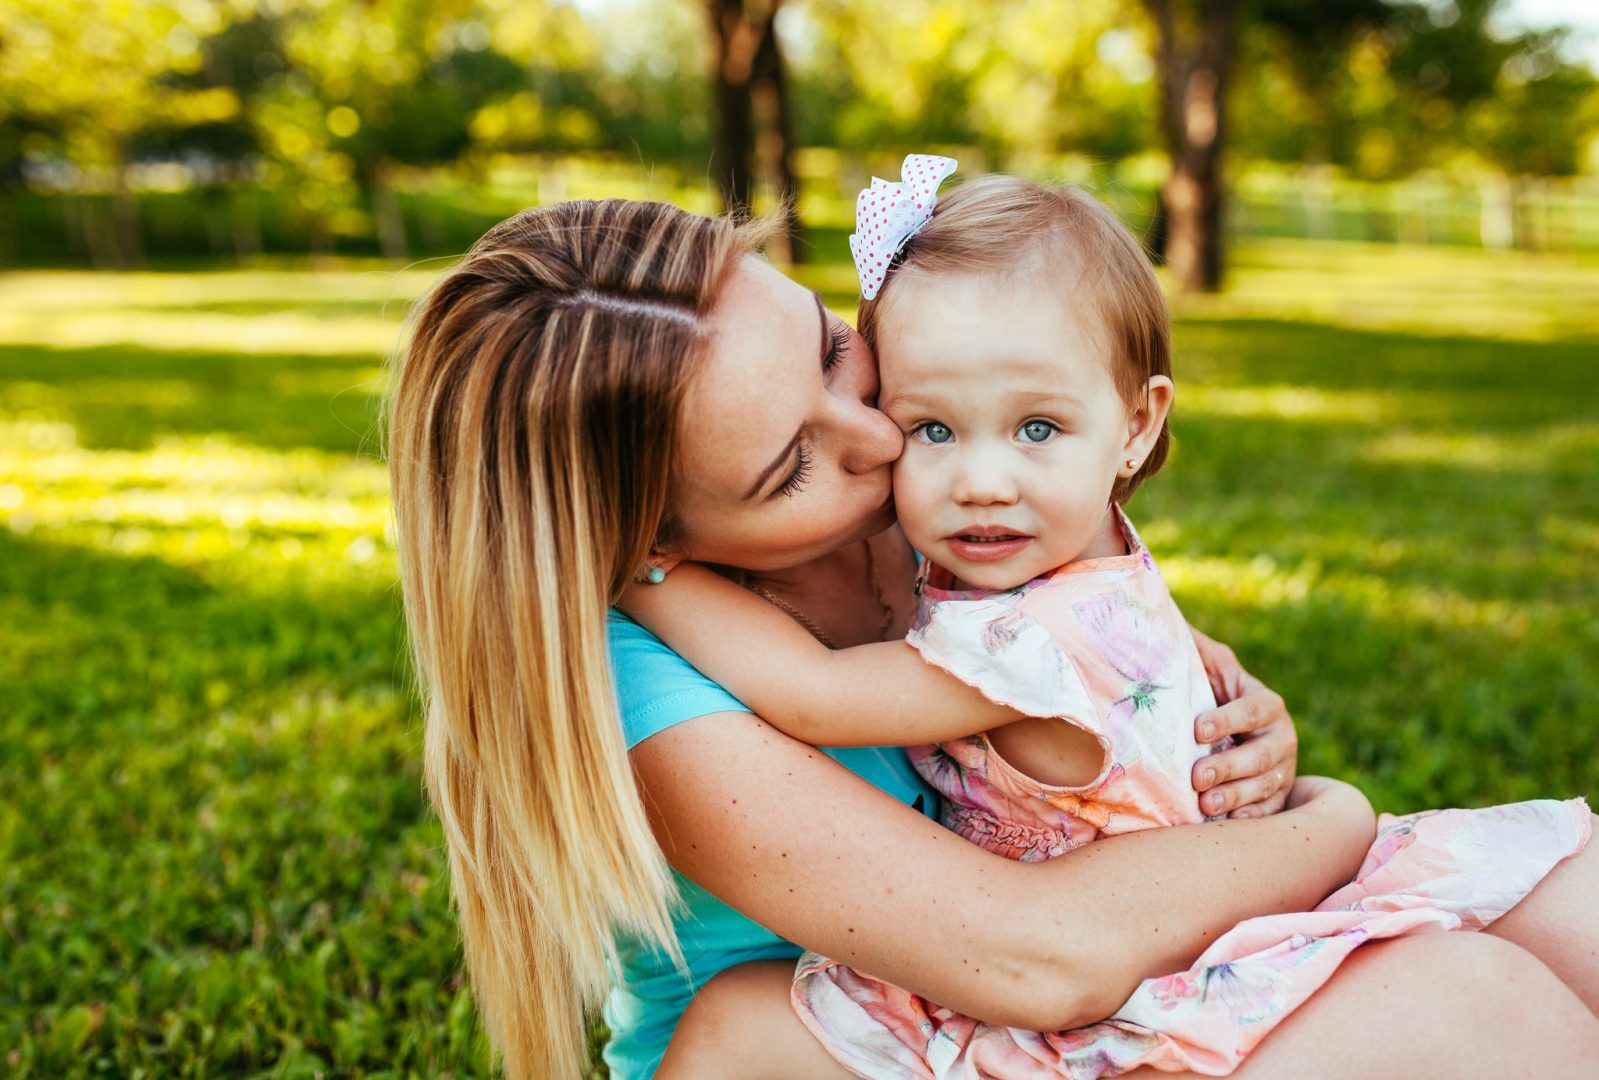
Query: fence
[
  {"x": 443, "y": 213},
  {"x": 1528, "y": 213}
]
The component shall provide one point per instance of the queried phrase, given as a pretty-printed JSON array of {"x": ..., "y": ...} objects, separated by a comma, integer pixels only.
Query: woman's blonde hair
[
  {"x": 532, "y": 421},
  {"x": 1006, "y": 225}
]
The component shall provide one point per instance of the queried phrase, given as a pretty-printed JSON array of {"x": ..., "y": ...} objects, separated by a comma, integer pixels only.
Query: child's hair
[{"x": 1017, "y": 228}]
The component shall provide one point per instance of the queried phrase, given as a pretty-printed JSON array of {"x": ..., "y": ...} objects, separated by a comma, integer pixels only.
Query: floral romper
[{"x": 1101, "y": 644}]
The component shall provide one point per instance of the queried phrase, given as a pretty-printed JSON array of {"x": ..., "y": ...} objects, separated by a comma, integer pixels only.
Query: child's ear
[{"x": 1145, "y": 422}]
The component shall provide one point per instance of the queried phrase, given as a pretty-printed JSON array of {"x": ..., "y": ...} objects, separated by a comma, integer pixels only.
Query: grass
[{"x": 214, "y": 854}]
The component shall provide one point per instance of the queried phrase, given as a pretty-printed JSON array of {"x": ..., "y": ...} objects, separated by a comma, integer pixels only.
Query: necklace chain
[{"x": 810, "y": 626}]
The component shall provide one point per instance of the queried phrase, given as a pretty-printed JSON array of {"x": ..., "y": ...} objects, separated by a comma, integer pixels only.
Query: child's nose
[{"x": 980, "y": 483}]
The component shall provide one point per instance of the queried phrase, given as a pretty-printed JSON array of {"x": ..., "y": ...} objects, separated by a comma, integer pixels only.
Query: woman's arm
[
  {"x": 1254, "y": 777},
  {"x": 809, "y": 850},
  {"x": 882, "y": 694}
]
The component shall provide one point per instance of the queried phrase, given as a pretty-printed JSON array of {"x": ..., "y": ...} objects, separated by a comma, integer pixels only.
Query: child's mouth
[{"x": 987, "y": 546}]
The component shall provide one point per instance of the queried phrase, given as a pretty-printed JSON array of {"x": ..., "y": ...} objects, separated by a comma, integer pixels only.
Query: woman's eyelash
[
  {"x": 839, "y": 335},
  {"x": 802, "y": 472}
]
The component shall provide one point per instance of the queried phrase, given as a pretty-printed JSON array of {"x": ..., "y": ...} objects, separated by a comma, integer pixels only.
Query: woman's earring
[
  {"x": 1132, "y": 463},
  {"x": 655, "y": 575}
]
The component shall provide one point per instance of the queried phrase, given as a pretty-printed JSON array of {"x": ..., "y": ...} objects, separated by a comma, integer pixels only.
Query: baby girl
[{"x": 1049, "y": 687}]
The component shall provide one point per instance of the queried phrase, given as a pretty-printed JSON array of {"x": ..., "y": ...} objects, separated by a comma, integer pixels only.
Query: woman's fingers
[
  {"x": 1255, "y": 775},
  {"x": 1258, "y": 796},
  {"x": 1256, "y": 709},
  {"x": 1253, "y": 778}
]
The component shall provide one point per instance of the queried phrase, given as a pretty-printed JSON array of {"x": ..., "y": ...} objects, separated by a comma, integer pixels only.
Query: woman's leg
[
  {"x": 1436, "y": 1004},
  {"x": 1558, "y": 922},
  {"x": 740, "y": 1026}
]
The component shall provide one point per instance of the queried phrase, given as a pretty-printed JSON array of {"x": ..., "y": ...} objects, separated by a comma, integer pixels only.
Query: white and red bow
[{"x": 888, "y": 214}]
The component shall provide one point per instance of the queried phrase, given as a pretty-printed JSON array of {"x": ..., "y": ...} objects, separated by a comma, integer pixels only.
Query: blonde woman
[{"x": 600, "y": 388}]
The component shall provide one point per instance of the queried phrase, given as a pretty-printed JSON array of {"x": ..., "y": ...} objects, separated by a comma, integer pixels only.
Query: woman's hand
[{"x": 1253, "y": 778}]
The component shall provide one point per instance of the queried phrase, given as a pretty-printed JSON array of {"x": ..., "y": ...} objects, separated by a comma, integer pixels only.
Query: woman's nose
[{"x": 870, "y": 439}]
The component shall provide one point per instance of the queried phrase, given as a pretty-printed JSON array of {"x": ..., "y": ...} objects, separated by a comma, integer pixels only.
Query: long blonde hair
[{"x": 531, "y": 422}]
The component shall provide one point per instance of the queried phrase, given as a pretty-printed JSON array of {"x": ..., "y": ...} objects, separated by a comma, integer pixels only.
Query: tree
[
  {"x": 379, "y": 85},
  {"x": 750, "y": 89},
  {"x": 94, "y": 74},
  {"x": 1194, "y": 49}
]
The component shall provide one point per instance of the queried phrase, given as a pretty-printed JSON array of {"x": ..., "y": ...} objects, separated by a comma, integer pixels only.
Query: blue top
[{"x": 656, "y": 689}]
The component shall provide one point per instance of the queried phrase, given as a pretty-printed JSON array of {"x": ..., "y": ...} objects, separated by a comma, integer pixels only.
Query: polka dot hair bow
[{"x": 888, "y": 214}]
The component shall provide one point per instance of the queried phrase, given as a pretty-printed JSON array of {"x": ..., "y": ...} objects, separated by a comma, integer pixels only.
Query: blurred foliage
[
  {"x": 324, "y": 105},
  {"x": 215, "y": 856}
]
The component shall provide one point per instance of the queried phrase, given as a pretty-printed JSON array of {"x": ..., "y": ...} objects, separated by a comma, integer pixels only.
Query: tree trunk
[
  {"x": 124, "y": 214},
  {"x": 1194, "y": 54},
  {"x": 246, "y": 216},
  {"x": 97, "y": 236},
  {"x": 735, "y": 37},
  {"x": 777, "y": 139},
  {"x": 386, "y": 211}
]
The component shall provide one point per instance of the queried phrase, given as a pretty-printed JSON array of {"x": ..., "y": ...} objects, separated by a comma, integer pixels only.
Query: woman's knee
[
  {"x": 740, "y": 1024},
  {"x": 1434, "y": 1004},
  {"x": 1467, "y": 990},
  {"x": 705, "y": 1031}
]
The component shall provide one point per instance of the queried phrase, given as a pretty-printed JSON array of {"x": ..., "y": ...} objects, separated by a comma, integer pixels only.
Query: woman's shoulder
[{"x": 655, "y": 687}]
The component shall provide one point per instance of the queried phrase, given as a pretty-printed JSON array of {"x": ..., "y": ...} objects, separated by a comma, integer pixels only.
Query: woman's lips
[{"x": 987, "y": 544}]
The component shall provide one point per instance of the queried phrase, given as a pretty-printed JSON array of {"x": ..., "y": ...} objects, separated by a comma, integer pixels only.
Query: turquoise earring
[{"x": 655, "y": 576}]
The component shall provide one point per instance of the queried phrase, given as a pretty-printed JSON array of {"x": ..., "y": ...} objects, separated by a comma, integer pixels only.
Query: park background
[{"x": 1381, "y": 225}]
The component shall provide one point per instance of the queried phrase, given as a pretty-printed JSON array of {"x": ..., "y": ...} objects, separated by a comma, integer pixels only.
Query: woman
[{"x": 600, "y": 388}]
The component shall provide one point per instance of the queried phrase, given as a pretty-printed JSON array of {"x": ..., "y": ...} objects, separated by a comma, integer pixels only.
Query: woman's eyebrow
[{"x": 777, "y": 463}]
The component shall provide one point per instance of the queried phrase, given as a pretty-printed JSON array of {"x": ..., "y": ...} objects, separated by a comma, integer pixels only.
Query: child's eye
[
  {"x": 934, "y": 432},
  {"x": 1037, "y": 431}
]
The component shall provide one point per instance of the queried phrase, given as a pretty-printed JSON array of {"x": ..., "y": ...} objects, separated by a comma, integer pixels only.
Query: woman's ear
[
  {"x": 1145, "y": 422},
  {"x": 661, "y": 558}
]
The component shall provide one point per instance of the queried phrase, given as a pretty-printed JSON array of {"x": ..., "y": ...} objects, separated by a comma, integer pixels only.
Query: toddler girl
[{"x": 1049, "y": 686}]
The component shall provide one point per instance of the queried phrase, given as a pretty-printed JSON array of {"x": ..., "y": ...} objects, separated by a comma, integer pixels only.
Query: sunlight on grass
[
  {"x": 1260, "y": 584},
  {"x": 250, "y": 514},
  {"x": 1420, "y": 290},
  {"x": 247, "y": 311},
  {"x": 1291, "y": 403},
  {"x": 215, "y": 857},
  {"x": 1538, "y": 450}
]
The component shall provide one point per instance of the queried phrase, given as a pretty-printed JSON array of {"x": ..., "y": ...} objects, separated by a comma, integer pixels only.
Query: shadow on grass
[
  {"x": 214, "y": 853},
  {"x": 1474, "y": 380},
  {"x": 125, "y": 396}
]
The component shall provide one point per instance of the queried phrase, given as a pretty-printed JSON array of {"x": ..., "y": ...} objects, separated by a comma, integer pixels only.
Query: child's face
[{"x": 1014, "y": 431}]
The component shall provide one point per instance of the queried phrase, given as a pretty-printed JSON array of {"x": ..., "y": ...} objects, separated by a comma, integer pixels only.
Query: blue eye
[
  {"x": 1037, "y": 431},
  {"x": 934, "y": 432}
]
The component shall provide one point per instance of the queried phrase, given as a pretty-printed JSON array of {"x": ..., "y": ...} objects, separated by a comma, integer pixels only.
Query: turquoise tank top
[{"x": 656, "y": 689}]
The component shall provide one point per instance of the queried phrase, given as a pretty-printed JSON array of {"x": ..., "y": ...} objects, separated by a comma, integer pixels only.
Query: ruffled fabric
[
  {"x": 1434, "y": 871},
  {"x": 1101, "y": 645}
]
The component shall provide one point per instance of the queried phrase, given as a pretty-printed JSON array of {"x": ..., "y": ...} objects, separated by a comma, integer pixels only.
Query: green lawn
[{"x": 214, "y": 854}]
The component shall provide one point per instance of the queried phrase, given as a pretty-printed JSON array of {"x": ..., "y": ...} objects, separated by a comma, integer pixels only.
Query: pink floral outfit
[{"x": 1101, "y": 644}]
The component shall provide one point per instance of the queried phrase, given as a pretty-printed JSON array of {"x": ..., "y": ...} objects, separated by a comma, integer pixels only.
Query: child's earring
[
  {"x": 1132, "y": 463},
  {"x": 655, "y": 575}
]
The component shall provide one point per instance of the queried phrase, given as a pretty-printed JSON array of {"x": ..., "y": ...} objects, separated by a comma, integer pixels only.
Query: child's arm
[{"x": 871, "y": 695}]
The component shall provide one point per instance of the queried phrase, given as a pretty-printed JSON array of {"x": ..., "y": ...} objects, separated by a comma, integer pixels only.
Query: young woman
[{"x": 600, "y": 383}]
